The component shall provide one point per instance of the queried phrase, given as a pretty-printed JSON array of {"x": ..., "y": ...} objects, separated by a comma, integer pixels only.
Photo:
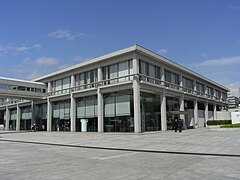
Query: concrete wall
[
  {"x": 223, "y": 115},
  {"x": 201, "y": 118},
  {"x": 210, "y": 115}
]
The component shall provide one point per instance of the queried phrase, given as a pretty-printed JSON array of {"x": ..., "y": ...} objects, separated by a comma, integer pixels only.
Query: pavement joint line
[{"x": 123, "y": 149}]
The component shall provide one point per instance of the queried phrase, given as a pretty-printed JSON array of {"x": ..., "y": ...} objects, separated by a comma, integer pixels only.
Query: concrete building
[
  {"x": 129, "y": 90},
  {"x": 233, "y": 102}
]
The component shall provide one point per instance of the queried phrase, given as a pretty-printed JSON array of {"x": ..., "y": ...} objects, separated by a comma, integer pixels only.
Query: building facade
[{"x": 130, "y": 90}]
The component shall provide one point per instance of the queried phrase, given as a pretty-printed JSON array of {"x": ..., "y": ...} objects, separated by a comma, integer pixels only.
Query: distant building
[{"x": 233, "y": 102}]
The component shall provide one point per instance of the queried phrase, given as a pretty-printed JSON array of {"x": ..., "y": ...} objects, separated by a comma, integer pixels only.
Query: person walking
[
  {"x": 175, "y": 124},
  {"x": 180, "y": 124}
]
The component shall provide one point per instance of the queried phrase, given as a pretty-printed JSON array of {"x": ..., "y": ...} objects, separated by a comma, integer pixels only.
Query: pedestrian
[
  {"x": 180, "y": 124},
  {"x": 175, "y": 124}
]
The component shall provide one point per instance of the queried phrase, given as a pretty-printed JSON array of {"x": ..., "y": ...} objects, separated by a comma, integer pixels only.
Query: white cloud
[
  {"x": 237, "y": 8},
  {"x": 221, "y": 61},
  {"x": 37, "y": 46},
  {"x": 64, "y": 34},
  {"x": 234, "y": 88},
  {"x": 46, "y": 61},
  {"x": 162, "y": 51},
  {"x": 14, "y": 50},
  {"x": 22, "y": 49}
]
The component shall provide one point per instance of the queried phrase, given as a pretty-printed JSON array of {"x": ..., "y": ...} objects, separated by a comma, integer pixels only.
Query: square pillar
[
  {"x": 49, "y": 115},
  {"x": 100, "y": 111},
  {"x": 195, "y": 113},
  {"x": 214, "y": 111},
  {"x": 7, "y": 119},
  {"x": 136, "y": 95},
  {"x": 73, "y": 113},
  {"x": 18, "y": 118},
  {"x": 162, "y": 76},
  {"x": 163, "y": 112},
  {"x": 206, "y": 113},
  {"x": 182, "y": 112},
  {"x": 33, "y": 113}
]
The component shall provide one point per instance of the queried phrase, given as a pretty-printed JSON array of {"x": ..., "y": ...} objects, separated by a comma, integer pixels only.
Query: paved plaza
[{"x": 192, "y": 154}]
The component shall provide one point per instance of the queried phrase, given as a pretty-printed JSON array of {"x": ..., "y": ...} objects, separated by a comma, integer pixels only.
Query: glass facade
[
  {"x": 149, "y": 70},
  {"x": 200, "y": 88},
  {"x": 210, "y": 92},
  {"x": 150, "y": 112},
  {"x": 26, "y": 117},
  {"x": 118, "y": 112},
  {"x": 13, "y": 119},
  {"x": 172, "y": 78},
  {"x": 61, "y": 116},
  {"x": 40, "y": 112},
  {"x": 115, "y": 71},
  {"x": 172, "y": 110},
  {"x": 187, "y": 85},
  {"x": 86, "y": 79},
  {"x": 61, "y": 86},
  {"x": 87, "y": 114}
]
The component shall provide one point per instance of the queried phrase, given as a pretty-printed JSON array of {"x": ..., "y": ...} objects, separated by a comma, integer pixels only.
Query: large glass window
[
  {"x": 13, "y": 118},
  {"x": 218, "y": 94},
  {"x": 87, "y": 114},
  {"x": 61, "y": 116},
  {"x": 200, "y": 88},
  {"x": 149, "y": 71},
  {"x": 210, "y": 92},
  {"x": 26, "y": 116},
  {"x": 61, "y": 85},
  {"x": 150, "y": 112},
  {"x": 172, "y": 78},
  {"x": 118, "y": 112},
  {"x": 86, "y": 79},
  {"x": 41, "y": 117},
  {"x": 117, "y": 71},
  {"x": 187, "y": 84}
]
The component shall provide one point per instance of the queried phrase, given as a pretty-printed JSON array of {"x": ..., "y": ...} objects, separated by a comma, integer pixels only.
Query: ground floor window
[
  {"x": 150, "y": 112},
  {"x": 61, "y": 116},
  {"x": 172, "y": 110},
  {"x": 87, "y": 113},
  {"x": 26, "y": 117},
  {"x": 118, "y": 112},
  {"x": 40, "y": 112},
  {"x": 12, "y": 125}
]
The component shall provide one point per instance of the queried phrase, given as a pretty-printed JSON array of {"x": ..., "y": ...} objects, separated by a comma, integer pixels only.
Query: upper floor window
[
  {"x": 224, "y": 96},
  {"x": 200, "y": 88},
  {"x": 171, "y": 77},
  {"x": 188, "y": 84},
  {"x": 210, "y": 91},
  {"x": 218, "y": 94},
  {"x": 118, "y": 72},
  {"x": 86, "y": 79},
  {"x": 150, "y": 71},
  {"x": 61, "y": 85}
]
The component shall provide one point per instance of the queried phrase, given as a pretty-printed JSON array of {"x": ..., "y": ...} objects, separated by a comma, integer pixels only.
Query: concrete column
[
  {"x": 100, "y": 111},
  {"x": 195, "y": 113},
  {"x": 163, "y": 112},
  {"x": 206, "y": 113},
  {"x": 214, "y": 111},
  {"x": 182, "y": 112},
  {"x": 18, "y": 118},
  {"x": 181, "y": 81},
  {"x": 194, "y": 86},
  {"x": 49, "y": 115},
  {"x": 33, "y": 113},
  {"x": 100, "y": 103},
  {"x": 162, "y": 76},
  {"x": 136, "y": 96},
  {"x": 7, "y": 119},
  {"x": 73, "y": 81},
  {"x": 100, "y": 74},
  {"x": 49, "y": 87},
  {"x": 73, "y": 113}
]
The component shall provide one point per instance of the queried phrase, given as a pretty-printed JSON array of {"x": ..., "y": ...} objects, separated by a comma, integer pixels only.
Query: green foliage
[
  {"x": 218, "y": 122},
  {"x": 230, "y": 126}
]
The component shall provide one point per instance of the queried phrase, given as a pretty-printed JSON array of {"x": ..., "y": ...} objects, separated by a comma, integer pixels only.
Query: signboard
[{"x": 235, "y": 117}]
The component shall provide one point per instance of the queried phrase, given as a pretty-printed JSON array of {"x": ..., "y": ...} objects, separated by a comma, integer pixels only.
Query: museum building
[{"x": 129, "y": 90}]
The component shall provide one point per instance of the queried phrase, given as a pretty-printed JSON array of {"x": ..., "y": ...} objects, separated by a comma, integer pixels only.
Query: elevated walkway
[{"x": 21, "y": 89}]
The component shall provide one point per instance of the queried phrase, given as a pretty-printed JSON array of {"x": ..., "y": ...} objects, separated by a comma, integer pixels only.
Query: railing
[{"x": 126, "y": 78}]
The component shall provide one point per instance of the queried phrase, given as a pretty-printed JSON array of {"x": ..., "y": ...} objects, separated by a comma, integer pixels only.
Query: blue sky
[{"x": 37, "y": 37}]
